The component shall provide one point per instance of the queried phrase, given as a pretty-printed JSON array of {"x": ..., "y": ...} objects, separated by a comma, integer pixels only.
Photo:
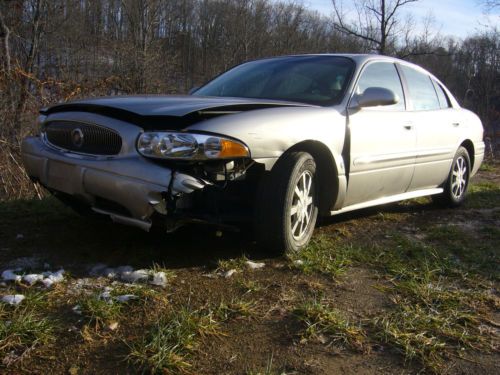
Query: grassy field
[{"x": 400, "y": 289}]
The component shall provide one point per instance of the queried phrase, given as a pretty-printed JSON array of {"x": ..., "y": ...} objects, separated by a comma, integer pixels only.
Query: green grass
[
  {"x": 437, "y": 298},
  {"x": 487, "y": 167},
  {"x": 323, "y": 321},
  {"x": 169, "y": 342},
  {"x": 483, "y": 195},
  {"x": 324, "y": 256},
  {"x": 429, "y": 329},
  {"x": 439, "y": 288},
  {"x": 25, "y": 327},
  {"x": 101, "y": 312},
  {"x": 98, "y": 311}
]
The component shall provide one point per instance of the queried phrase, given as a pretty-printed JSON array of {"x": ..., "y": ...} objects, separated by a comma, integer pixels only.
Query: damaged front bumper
[{"x": 137, "y": 186}]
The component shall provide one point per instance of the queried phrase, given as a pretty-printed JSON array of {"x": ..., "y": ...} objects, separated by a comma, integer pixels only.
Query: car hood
[{"x": 181, "y": 110}]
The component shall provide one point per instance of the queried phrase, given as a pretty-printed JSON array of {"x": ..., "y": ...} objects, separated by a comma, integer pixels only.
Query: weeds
[
  {"x": 232, "y": 264},
  {"x": 99, "y": 311},
  {"x": 167, "y": 345},
  {"x": 250, "y": 286},
  {"x": 329, "y": 324},
  {"x": 23, "y": 328},
  {"x": 234, "y": 309}
]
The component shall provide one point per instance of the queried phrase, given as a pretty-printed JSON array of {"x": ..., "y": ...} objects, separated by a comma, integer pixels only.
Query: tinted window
[
  {"x": 317, "y": 80},
  {"x": 382, "y": 74},
  {"x": 422, "y": 93},
  {"x": 442, "y": 97}
]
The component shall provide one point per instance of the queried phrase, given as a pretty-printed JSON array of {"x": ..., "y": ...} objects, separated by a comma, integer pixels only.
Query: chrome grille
[{"x": 84, "y": 138}]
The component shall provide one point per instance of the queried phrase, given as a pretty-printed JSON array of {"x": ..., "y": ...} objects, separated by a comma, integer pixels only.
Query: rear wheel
[
  {"x": 287, "y": 207},
  {"x": 456, "y": 185}
]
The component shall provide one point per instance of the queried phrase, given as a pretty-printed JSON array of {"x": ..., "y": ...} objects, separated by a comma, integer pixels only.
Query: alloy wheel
[
  {"x": 459, "y": 177},
  {"x": 302, "y": 205}
]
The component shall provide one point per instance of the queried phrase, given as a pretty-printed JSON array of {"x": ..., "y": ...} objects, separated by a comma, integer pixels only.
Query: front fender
[{"x": 270, "y": 132}]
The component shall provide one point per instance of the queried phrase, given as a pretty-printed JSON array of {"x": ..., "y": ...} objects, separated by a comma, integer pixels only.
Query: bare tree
[
  {"x": 377, "y": 21},
  {"x": 4, "y": 40},
  {"x": 490, "y": 4}
]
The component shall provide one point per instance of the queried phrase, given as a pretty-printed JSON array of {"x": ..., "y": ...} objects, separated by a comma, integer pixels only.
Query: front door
[{"x": 382, "y": 141}]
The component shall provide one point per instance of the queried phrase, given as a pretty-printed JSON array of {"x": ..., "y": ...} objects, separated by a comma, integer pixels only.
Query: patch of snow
[
  {"x": 13, "y": 299},
  {"x": 9, "y": 275},
  {"x": 32, "y": 278},
  {"x": 77, "y": 309},
  {"x": 51, "y": 278},
  {"x": 229, "y": 273},
  {"x": 106, "y": 295},
  {"x": 159, "y": 278},
  {"x": 254, "y": 265},
  {"x": 47, "y": 282},
  {"x": 298, "y": 262},
  {"x": 135, "y": 276}
]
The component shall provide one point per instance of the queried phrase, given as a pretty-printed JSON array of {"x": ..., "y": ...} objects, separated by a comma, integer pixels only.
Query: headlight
[{"x": 189, "y": 146}]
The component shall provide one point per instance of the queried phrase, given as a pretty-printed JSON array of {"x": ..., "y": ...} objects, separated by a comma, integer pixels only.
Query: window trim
[{"x": 437, "y": 87}]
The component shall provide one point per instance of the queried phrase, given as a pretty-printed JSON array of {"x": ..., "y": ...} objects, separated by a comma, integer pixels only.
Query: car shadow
[{"x": 51, "y": 232}]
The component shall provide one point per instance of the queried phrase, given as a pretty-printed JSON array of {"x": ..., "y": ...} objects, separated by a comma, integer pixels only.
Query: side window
[
  {"x": 443, "y": 98},
  {"x": 422, "y": 92},
  {"x": 382, "y": 74}
]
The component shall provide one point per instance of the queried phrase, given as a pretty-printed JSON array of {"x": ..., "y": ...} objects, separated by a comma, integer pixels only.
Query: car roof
[{"x": 357, "y": 57}]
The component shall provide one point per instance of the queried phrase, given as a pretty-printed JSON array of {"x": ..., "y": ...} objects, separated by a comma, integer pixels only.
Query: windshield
[{"x": 319, "y": 80}]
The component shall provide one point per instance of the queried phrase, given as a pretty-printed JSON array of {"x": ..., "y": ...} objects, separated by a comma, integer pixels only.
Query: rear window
[
  {"x": 444, "y": 102},
  {"x": 422, "y": 92}
]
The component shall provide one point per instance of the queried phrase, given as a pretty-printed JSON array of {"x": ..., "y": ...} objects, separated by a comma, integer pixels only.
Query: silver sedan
[{"x": 270, "y": 144}]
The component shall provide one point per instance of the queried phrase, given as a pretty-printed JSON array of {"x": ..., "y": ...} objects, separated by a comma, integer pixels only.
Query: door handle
[
  {"x": 456, "y": 124},
  {"x": 408, "y": 126}
]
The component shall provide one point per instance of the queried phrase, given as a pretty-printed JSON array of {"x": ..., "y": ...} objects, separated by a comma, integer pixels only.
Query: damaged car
[{"x": 271, "y": 144}]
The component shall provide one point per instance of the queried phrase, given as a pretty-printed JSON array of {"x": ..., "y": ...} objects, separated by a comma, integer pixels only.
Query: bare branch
[{"x": 4, "y": 37}]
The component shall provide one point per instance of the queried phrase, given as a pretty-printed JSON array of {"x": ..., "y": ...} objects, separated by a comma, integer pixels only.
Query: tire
[
  {"x": 287, "y": 204},
  {"x": 456, "y": 184}
]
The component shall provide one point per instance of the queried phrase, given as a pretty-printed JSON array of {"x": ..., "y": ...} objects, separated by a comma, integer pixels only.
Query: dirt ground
[{"x": 262, "y": 334}]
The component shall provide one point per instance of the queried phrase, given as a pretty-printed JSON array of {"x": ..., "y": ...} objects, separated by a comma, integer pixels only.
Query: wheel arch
[
  {"x": 469, "y": 146},
  {"x": 326, "y": 169}
]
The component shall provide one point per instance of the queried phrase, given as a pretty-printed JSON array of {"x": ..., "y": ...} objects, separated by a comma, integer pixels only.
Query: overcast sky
[{"x": 452, "y": 17}]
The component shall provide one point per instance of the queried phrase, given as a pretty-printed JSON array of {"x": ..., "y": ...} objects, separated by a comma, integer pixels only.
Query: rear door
[
  {"x": 382, "y": 140},
  {"x": 437, "y": 127}
]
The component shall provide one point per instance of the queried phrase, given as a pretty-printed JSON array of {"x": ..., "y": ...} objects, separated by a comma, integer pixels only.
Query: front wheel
[
  {"x": 287, "y": 204},
  {"x": 457, "y": 182}
]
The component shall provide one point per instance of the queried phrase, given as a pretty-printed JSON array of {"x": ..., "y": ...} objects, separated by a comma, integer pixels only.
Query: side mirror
[
  {"x": 193, "y": 89},
  {"x": 375, "y": 96}
]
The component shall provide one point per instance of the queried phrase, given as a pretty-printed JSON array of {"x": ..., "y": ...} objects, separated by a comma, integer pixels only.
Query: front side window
[
  {"x": 422, "y": 93},
  {"x": 385, "y": 75},
  {"x": 319, "y": 80}
]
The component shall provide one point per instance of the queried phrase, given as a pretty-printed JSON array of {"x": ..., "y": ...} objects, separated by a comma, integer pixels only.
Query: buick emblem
[{"x": 77, "y": 137}]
